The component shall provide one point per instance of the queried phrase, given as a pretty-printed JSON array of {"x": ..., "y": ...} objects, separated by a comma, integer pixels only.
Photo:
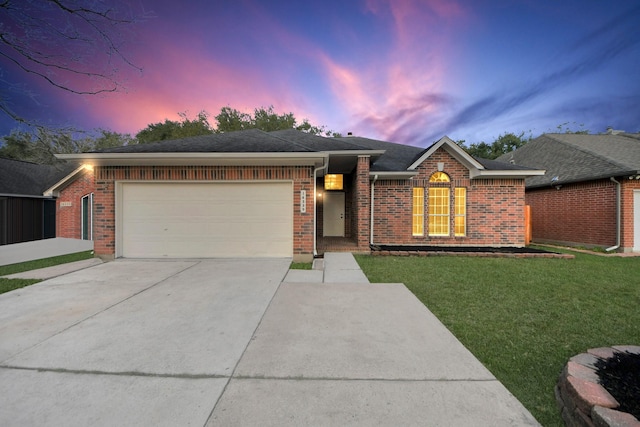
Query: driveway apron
[{"x": 130, "y": 342}]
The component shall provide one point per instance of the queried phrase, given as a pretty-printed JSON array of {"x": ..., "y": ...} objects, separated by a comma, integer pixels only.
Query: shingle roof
[
  {"x": 26, "y": 178},
  {"x": 244, "y": 141},
  {"x": 577, "y": 157},
  {"x": 396, "y": 157}
]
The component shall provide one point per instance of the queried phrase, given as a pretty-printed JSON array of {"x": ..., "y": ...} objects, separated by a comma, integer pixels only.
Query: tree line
[{"x": 41, "y": 144}]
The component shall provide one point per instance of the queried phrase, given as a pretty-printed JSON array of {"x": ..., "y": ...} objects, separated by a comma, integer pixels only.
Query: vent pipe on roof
[
  {"x": 618, "y": 213},
  {"x": 612, "y": 131}
]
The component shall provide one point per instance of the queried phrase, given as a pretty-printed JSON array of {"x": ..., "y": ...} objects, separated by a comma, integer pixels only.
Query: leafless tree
[{"x": 76, "y": 46}]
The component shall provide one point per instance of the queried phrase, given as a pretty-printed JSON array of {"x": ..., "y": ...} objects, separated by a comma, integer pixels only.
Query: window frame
[
  {"x": 460, "y": 211},
  {"x": 86, "y": 215},
  {"x": 439, "y": 205},
  {"x": 417, "y": 216}
]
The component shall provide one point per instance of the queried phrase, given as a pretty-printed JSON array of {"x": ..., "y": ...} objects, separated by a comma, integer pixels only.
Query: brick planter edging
[
  {"x": 581, "y": 398},
  {"x": 472, "y": 254}
]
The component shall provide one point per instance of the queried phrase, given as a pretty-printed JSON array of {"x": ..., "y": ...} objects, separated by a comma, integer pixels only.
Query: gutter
[
  {"x": 324, "y": 167},
  {"x": 372, "y": 202},
  {"x": 618, "y": 214}
]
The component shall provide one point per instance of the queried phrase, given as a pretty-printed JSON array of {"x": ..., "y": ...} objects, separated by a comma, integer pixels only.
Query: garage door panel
[{"x": 207, "y": 220}]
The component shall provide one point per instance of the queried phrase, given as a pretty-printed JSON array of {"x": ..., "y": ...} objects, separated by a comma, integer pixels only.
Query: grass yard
[
  {"x": 524, "y": 318},
  {"x": 7, "y": 285}
]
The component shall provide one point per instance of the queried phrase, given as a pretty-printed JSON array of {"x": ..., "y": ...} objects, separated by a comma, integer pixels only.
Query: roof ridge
[
  {"x": 288, "y": 140},
  {"x": 24, "y": 161},
  {"x": 345, "y": 139}
]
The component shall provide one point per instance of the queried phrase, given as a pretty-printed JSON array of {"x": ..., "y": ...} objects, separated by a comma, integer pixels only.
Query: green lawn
[
  {"x": 524, "y": 318},
  {"x": 7, "y": 285}
]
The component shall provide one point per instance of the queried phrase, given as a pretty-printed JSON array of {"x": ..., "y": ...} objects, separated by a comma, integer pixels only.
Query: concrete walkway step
[{"x": 336, "y": 267}]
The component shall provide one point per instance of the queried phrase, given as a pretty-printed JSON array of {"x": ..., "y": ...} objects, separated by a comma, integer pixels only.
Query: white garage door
[{"x": 200, "y": 220}]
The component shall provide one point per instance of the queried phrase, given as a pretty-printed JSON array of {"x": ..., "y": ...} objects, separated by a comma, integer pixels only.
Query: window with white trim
[
  {"x": 418, "y": 211},
  {"x": 87, "y": 217},
  {"x": 439, "y": 205},
  {"x": 460, "y": 212}
]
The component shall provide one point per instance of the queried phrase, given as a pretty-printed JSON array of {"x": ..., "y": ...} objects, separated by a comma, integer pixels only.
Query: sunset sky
[{"x": 407, "y": 71}]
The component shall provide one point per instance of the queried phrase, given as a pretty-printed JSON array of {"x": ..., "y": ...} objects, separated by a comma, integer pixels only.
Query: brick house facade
[
  {"x": 69, "y": 205},
  {"x": 378, "y": 182},
  {"x": 495, "y": 208}
]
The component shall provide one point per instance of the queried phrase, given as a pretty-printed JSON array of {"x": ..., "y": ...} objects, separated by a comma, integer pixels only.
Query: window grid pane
[
  {"x": 439, "y": 211},
  {"x": 439, "y": 177},
  {"x": 418, "y": 211},
  {"x": 460, "y": 217}
]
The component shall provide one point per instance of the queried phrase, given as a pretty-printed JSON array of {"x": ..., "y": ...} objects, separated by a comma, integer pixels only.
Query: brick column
[{"x": 363, "y": 203}]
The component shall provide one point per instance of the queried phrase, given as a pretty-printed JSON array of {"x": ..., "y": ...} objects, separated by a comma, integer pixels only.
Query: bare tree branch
[{"x": 76, "y": 46}]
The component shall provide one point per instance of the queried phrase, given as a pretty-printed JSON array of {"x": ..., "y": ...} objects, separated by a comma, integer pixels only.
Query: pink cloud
[{"x": 404, "y": 84}]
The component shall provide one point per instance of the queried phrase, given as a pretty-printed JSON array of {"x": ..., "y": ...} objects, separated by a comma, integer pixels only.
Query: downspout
[
  {"x": 373, "y": 199},
  {"x": 315, "y": 202},
  {"x": 618, "y": 214}
]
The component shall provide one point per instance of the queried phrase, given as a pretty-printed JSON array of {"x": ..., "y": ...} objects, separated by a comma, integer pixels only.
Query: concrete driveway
[
  {"x": 129, "y": 342},
  {"x": 224, "y": 342}
]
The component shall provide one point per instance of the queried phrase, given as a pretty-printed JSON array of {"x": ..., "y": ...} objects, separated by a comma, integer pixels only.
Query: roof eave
[
  {"x": 392, "y": 175},
  {"x": 198, "y": 159},
  {"x": 54, "y": 190},
  {"x": 585, "y": 179},
  {"x": 504, "y": 174}
]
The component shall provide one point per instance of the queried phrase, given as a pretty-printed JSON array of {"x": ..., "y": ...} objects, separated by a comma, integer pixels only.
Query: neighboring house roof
[
  {"x": 19, "y": 178},
  {"x": 572, "y": 158},
  {"x": 389, "y": 159}
]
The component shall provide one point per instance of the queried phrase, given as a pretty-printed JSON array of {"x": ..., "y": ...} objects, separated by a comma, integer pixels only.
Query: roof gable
[{"x": 452, "y": 148}]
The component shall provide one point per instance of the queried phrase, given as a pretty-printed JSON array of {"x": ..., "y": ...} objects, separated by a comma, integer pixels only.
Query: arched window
[
  {"x": 439, "y": 205},
  {"x": 439, "y": 177}
]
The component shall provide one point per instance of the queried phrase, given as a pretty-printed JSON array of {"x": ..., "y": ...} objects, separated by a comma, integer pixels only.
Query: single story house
[
  {"x": 590, "y": 195},
  {"x": 286, "y": 193},
  {"x": 25, "y": 214}
]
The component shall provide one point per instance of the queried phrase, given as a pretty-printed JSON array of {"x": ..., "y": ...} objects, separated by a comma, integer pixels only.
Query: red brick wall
[
  {"x": 104, "y": 198},
  {"x": 361, "y": 203},
  {"x": 582, "y": 213},
  {"x": 495, "y": 208},
  {"x": 69, "y": 218}
]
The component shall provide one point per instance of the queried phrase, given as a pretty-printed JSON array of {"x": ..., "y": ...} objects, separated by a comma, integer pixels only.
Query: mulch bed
[
  {"x": 620, "y": 376},
  {"x": 461, "y": 249}
]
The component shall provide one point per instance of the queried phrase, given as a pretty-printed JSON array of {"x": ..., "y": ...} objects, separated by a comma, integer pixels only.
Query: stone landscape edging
[
  {"x": 472, "y": 254},
  {"x": 581, "y": 398}
]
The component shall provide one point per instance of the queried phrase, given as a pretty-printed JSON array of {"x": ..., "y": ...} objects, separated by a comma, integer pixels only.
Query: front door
[{"x": 333, "y": 219}]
